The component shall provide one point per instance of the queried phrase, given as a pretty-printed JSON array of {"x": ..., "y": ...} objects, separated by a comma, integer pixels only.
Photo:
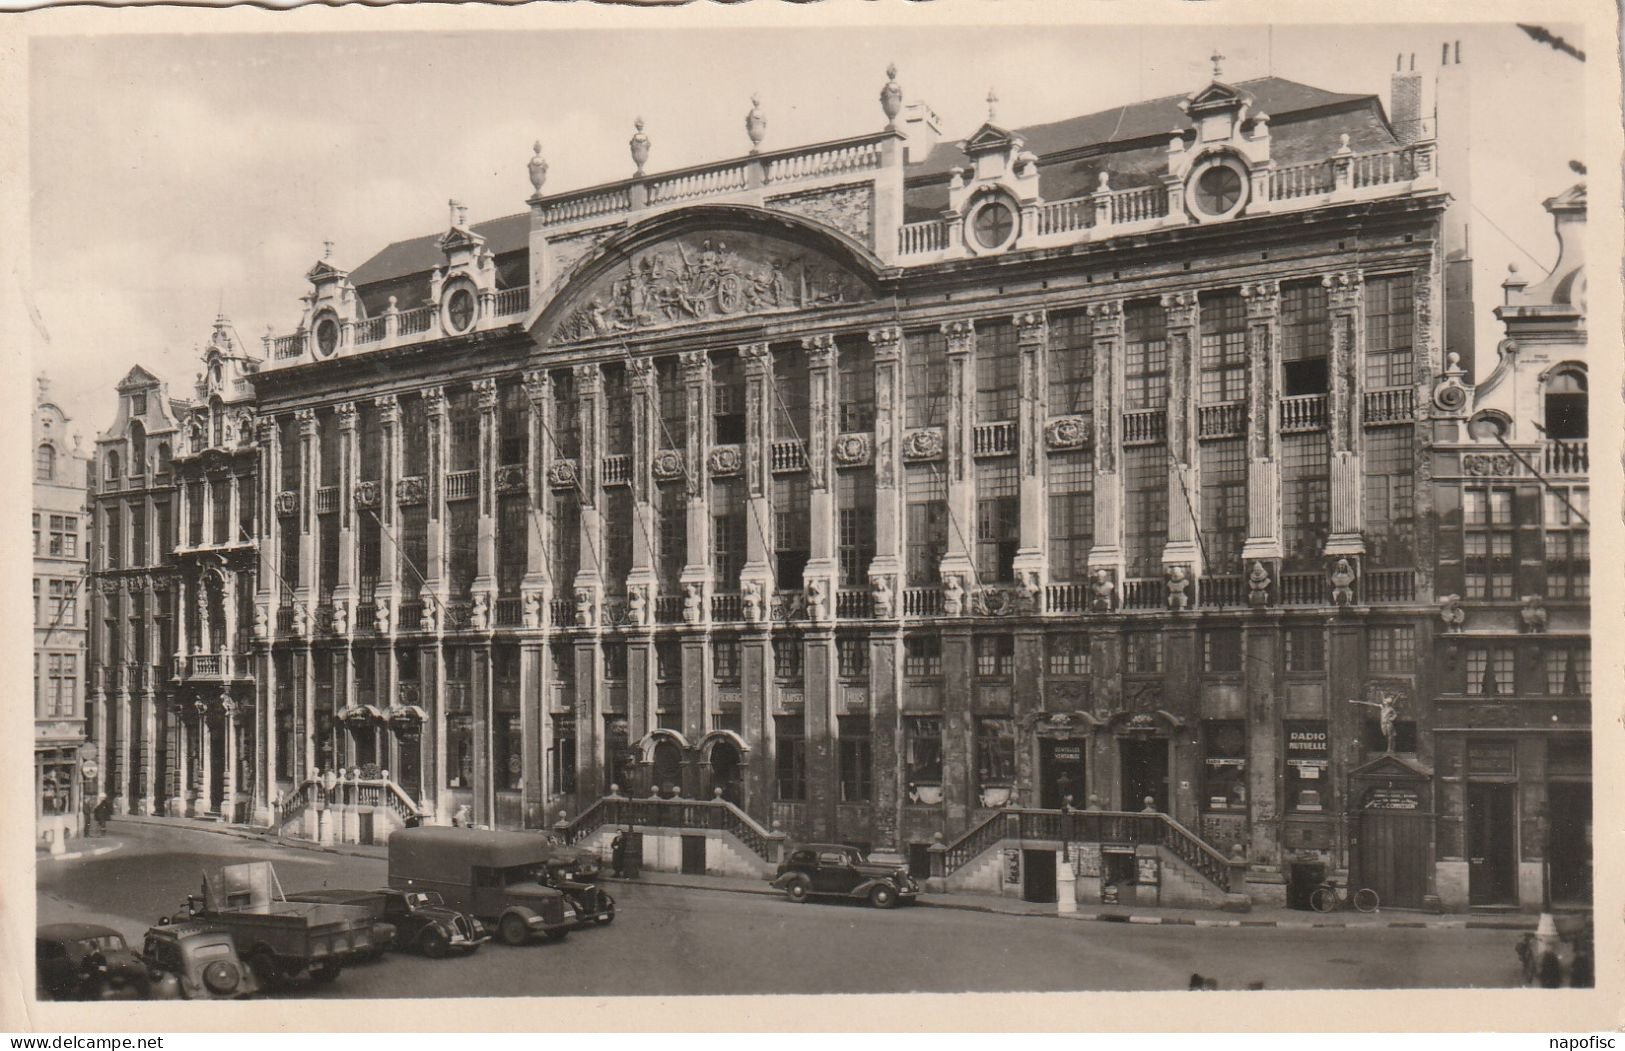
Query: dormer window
[
  {"x": 1567, "y": 415},
  {"x": 138, "y": 404},
  {"x": 45, "y": 463},
  {"x": 992, "y": 225},
  {"x": 138, "y": 450}
]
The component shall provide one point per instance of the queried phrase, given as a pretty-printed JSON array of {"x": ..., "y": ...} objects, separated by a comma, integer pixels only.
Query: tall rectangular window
[
  {"x": 1306, "y": 499},
  {"x": 1491, "y": 670},
  {"x": 513, "y": 539},
  {"x": 1488, "y": 541},
  {"x": 855, "y": 525},
  {"x": 671, "y": 500},
  {"x": 414, "y": 441},
  {"x": 728, "y": 398},
  {"x": 792, "y": 533},
  {"x": 787, "y": 394},
  {"x": 194, "y": 514},
  {"x": 1067, "y": 654},
  {"x": 617, "y": 402},
  {"x": 1568, "y": 670},
  {"x": 925, "y": 379},
  {"x": 562, "y": 759},
  {"x": 138, "y": 532},
  {"x": 369, "y": 440},
  {"x": 414, "y": 548},
  {"x": 1306, "y": 342},
  {"x": 995, "y": 656},
  {"x": 565, "y": 549},
  {"x": 1390, "y": 497},
  {"x": 926, "y": 506},
  {"x": 1224, "y": 348},
  {"x": 619, "y": 527},
  {"x": 787, "y": 658},
  {"x": 998, "y": 372},
  {"x": 513, "y": 425},
  {"x": 1145, "y": 355},
  {"x": 727, "y": 532},
  {"x": 369, "y": 550},
  {"x": 1391, "y": 648},
  {"x": 725, "y": 660},
  {"x": 922, "y": 752},
  {"x": 288, "y": 547},
  {"x": 998, "y": 519},
  {"x": 852, "y": 654},
  {"x": 922, "y": 656},
  {"x": 1224, "y": 503},
  {"x": 327, "y": 446},
  {"x": 1305, "y": 650},
  {"x": 1071, "y": 490},
  {"x": 566, "y": 423},
  {"x": 855, "y": 384},
  {"x": 1071, "y": 356},
  {"x": 1389, "y": 307},
  {"x": 1567, "y": 542},
  {"x": 1145, "y": 514},
  {"x": 857, "y": 759},
  {"x": 790, "y": 756},
  {"x": 995, "y": 753},
  {"x": 462, "y": 546},
  {"x": 671, "y": 429},
  {"x": 113, "y": 548},
  {"x": 1142, "y": 652},
  {"x": 327, "y": 564}
]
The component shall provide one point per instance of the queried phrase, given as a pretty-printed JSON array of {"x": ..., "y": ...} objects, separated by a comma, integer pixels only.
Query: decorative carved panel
[{"x": 849, "y": 209}]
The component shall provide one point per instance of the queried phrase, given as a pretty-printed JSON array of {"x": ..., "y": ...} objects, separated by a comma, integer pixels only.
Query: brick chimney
[{"x": 1405, "y": 101}]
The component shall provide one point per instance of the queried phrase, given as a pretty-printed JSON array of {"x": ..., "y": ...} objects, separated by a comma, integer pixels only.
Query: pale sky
[{"x": 171, "y": 175}]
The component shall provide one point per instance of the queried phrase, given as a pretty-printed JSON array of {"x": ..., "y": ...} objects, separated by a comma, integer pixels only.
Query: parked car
[
  {"x": 86, "y": 961},
  {"x": 383, "y": 932},
  {"x": 417, "y": 920},
  {"x": 574, "y": 871},
  {"x": 830, "y": 869},
  {"x": 495, "y": 876},
  {"x": 195, "y": 961}
]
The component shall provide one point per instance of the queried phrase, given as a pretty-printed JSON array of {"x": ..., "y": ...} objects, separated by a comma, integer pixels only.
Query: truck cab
[{"x": 498, "y": 877}]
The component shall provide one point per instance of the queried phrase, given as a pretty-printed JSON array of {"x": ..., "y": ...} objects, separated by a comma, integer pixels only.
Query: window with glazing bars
[
  {"x": 566, "y": 422},
  {"x": 1568, "y": 670},
  {"x": 995, "y": 752},
  {"x": 327, "y": 565},
  {"x": 1071, "y": 356},
  {"x": 513, "y": 418},
  {"x": 565, "y": 543},
  {"x": 1568, "y": 543},
  {"x": 856, "y": 383},
  {"x": 1221, "y": 650},
  {"x": 787, "y": 394},
  {"x": 65, "y": 536},
  {"x": 1145, "y": 355},
  {"x": 1224, "y": 503},
  {"x": 462, "y": 546},
  {"x": 1067, "y": 653},
  {"x": 925, "y": 379},
  {"x": 1223, "y": 321},
  {"x": 288, "y": 549},
  {"x": 1306, "y": 341},
  {"x": 1491, "y": 669},
  {"x": 852, "y": 656},
  {"x": 855, "y": 525},
  {"x": 369, "y": 552},
  {"x": 1305, "y": 498},
  {"x": 790, "y": 756},
  {"x": 857, "y": 763},
  {"x": 1389, "y": 305},
  {"x": 1305, "y": 649},
  {"x": 728, "y": 398},
  {"x": 995, "y": 656},
  {"x": 615, "y": 660},
  {"x": 727, "y": 532},
  {"x": 725, "y": 660},
  {"x": 1145, "y": 517},
  {"x": 620, "y": 524},
  {"x": 1391, "y": 648},
  {"x": 1070, "y": 488},
  {"x": 1142, "y": 652},
  {"x": 998, "y": 372},
  {"x": 792, "y": 532},
  {"x": 414, "y": 426},
  {"x": 787, "y": 654},
  {"x": 998, "y": 519},
  {"x": 194, "y": 513},
  {"x": 671, "y": 429},
  {"x": 513, "y": 538},
  {"x": 369, "y": 439},
  {"x": 617, "y": 408},
  {"x": 1390, "y": 497},
  {"x": 671, "y": 499},
  {"x": 922, "y": 656},
  {"x": 221, "y": 526},
  {"x": 1489, "y": 542},
  {"x": 288, "y": 435},
  {"x": 926, "y": 505},
  {"x": 327, "y": 446}
]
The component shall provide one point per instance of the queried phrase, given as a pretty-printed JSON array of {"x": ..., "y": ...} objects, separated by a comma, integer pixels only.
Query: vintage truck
[
  {"x": 498, "y": 877},
  {"x": 281, "y": 941}
]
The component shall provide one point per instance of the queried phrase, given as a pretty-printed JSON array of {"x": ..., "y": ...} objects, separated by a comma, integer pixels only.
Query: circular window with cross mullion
[
  {"x": 1217, "y": 188},
  {"x": 992, "y": 225}
]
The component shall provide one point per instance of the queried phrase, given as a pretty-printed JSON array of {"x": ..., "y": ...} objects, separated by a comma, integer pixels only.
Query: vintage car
[
  {"x": 195, "y": 961},
  {"x": 420, "y": 920},
  {"x": 830, "y": 869},
  {"x": 496, "y": 876},
  {"x": 574, "y": 870},
  {"x": 383, "y": 932},
  {"x": 85, "y": 961}
]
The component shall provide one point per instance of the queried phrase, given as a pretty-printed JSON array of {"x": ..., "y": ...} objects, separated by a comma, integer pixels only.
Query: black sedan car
[
  {"x": 85, "y": 961},
  {"x": 574, "y": 870},
  {"x": 418, "y": 920},
  {"x": 836, "y": 870}
]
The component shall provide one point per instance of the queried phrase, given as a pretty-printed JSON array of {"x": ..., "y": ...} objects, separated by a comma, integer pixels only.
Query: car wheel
[
  {"x": 882, "y": 896},
  {"x": 513, "y": 930},
  {"x": 797, "y": 889},
  {"x": 266, "y": 969},
  {"x": 433, "y": 944},
  {"x": 324, "y": 973},
  {"x": 221, "y": 977}
]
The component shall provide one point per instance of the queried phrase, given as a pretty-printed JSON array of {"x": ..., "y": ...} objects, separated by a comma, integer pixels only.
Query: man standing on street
[{"x": 104, "y": 812}]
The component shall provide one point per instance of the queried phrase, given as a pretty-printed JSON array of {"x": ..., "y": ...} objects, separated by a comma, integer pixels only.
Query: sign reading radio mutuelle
[{"x": 1306, "y": 747}]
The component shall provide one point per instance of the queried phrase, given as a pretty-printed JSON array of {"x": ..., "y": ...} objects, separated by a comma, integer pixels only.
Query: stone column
[
  {"x": 149, "y": 750},
  {"x": 960, "y": 561},
  {"x": 535, "y": 717},
  {"x": 696, "y": 578},
  {"x": 183, "y": 502},
  {"x": 233, "y": 509},
  {"x": 1262, "y": 643},
  {"x": 228, "y": 783},
  {"x": 485, "y": 580},
  {"x": 1264, "y": 466},
  {"x": 1346, "y": 321},
  {"x": 268, "y": 587},
  {"x": 266, "y": 792},
  {"x": 433, "y": 588},
  {"x": 820, "y": 443},
  {"x": 885, "y": 689},
  {"x": 759, "y": 556},
  {"x": 820, "y": 680},
  {"x": 1032, "y": 336},
  {"x": 886, "y": 571},
  {"x": 589, "y": 407},
  {"x": 642, "y": 586},
  {"x": 1182, "y": 549},
  {"x": 228, "y": 604},
  {"x": 309, "y": 466},
  {"x": 389, "y": 590},
  {"x": 205, "y": 633},
  {"x": 344, "y": 593},
  {"x": 205, "y": 741},
  {"x": 182, "y": 804},
  {"x": 1107, "y": 323},
  {"x": 958, "y": 688}
]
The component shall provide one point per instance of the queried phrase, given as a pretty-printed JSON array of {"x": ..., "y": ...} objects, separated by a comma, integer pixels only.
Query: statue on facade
[
  {"x": 1342, "y": 583},
  {"x": 427, "y": 619},
  {"x": 1387, "y": 715},
  {"x": 262, "y": 620},
  {"x": 479, "y": 614},
  {"x": 953, "y": 595},
  {"x": 301, "y": 619},
  {"x": 1258, "y": 585},
  {"x": 1179, "y": 582},
  {"x": 1451, "y": 613},
  {"x": 693, "y": 600},
  {"x": 750, "y": 601},
  {"x": 1533, "y": 615},
  {"x": 884, "y": 597},
  {"x": 341, "y": 618},
  {"x": 637, "y": 606},
  {"x": 533, "y": 609},
  {"x": 584, "y": 608},
  {"x": 381, "y": 617},
  {"x": 1101, "y": 589},
  {"x": 817, "y": 599},
  {"x": 1029, "y": 594}
]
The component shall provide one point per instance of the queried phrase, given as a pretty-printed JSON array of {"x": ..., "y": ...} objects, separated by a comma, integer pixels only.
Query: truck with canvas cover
[{"x": 499, "y": 877}]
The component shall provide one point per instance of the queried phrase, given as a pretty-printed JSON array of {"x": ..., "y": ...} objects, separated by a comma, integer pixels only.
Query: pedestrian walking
[
  {"x": 90, "y": 814},
  {"x": 617, "y": 853},
  {"x": 104, "y": 813}
]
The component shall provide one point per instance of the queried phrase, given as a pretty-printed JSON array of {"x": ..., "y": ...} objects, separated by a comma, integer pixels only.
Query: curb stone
[{"x": 74, "y": 855}]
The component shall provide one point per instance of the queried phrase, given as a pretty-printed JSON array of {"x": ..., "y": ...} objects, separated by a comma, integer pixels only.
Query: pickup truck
[{"x": 281, "y": 940}]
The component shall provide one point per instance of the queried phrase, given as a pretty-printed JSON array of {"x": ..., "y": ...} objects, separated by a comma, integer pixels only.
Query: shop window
[
  {"x": 562, "y": 755},
  {"x": 995, "y": 656},
  {"x": 1568, "y": 671},
  {"x": 1372, "y": 740},
  {"x": 1224, "y": 766},
  {"x": 1221, "y": 651},
  {"x": 857, "y": 762},
  {"x": 790, "y": 756},
  {"x": 1305, "y": 650},
  {"x": 787, "y": 658},
  {"x": 995, "y": 755},
  {"x": 922, "y": 656},
  {"x": 725, "y": 661},
  {"x": 853, "y": 657},
  {"x": 1068, "y": 654},
  {"x": 1308, "y": 755},
  {"x": 1143, "y": 654},
  {"x": 1391, "y": 648},
  {"x": 1491, "y": 670},
  {"x": 922, "y": 756}
]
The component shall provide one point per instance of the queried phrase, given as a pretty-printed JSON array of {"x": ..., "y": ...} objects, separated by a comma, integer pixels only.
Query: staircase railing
[
  {"x": 1093, "y": 826},
  {"x": 716, "y": 814}
]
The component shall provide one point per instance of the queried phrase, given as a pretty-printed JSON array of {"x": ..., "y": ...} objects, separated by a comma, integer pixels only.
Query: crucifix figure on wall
[{"x": 1387, "y": 715}]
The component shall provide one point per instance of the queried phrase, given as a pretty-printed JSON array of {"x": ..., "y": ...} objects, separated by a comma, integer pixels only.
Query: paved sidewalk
[
  {"x": 1259, "y": 916},
  {"x": 84, "y": 847}
]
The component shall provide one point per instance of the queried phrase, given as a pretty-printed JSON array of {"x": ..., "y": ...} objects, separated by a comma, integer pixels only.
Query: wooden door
[
  {"x": 693, "y": 855},
  {"x": 1392, "y": 856},
  {"x": 1492, "y": 837}
]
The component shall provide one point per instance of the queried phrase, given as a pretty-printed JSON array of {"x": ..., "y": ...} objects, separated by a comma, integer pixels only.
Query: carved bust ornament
[
  {"x": 1102, "y": 588},
  {"x": 1258, "y": 585}
]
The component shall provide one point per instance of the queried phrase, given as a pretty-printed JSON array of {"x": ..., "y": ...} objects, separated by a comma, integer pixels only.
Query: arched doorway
[
  {"x": 724, "y": 754},
  {"x": 666, "y": 761}
]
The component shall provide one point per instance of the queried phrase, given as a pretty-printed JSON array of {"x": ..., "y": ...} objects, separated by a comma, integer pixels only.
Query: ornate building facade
[{"x": 59, "y": 624}]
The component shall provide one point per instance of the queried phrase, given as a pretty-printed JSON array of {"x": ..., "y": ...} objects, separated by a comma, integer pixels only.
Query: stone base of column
[
  {"x": 175, "y": 806},
  {"x": 1344, "y": 545},
  {"x": 1261, "y": 548}
]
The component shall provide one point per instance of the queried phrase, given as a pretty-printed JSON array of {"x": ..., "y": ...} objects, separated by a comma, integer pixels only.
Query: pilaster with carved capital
[{"x": 1106, "y": 328}]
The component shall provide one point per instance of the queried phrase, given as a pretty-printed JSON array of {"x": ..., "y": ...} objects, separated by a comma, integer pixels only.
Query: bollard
[{"x": 1066, "y": 886}]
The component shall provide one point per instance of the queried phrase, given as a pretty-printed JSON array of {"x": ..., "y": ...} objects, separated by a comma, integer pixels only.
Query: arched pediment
[{"x": 705, "y": 265}]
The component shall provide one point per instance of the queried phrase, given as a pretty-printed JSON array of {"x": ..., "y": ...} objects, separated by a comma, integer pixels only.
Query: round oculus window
[
  {"x": 1218, "y": 190},
  {"x": 993, "y": 225},
  {"x": 460, "y": 310},
  {"x": 327, "y": 336}
]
